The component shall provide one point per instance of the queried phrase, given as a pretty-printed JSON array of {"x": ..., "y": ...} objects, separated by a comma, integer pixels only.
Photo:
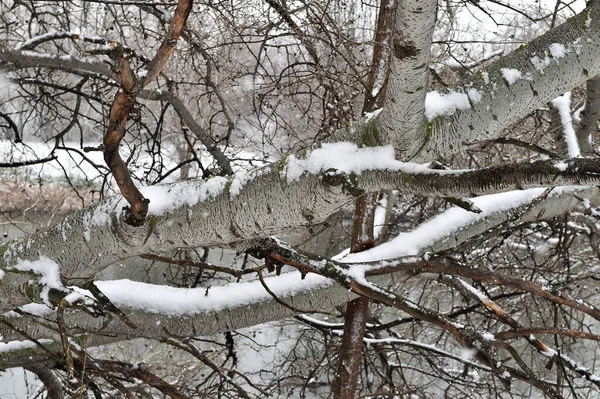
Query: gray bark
[
  {"x": 88, "y": 241},
  {"x": 268, "y": 205},
  {"x": 589, "y": 116},
  {"x": 401, "y": 122},
  {"x": 322, "y": 299},
  {"x": 502, "y": 103}
]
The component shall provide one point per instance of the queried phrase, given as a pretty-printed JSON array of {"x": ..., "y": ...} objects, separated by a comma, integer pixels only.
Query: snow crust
[
  {"x": 437, "y": 104},
  {"x": 563, "y": 105},
  {"x": 173, "y": 301},
  {"x": 345, "y": 157},
  {"x": 511, "y": 75},
  {"x": 445, "y": 224}
]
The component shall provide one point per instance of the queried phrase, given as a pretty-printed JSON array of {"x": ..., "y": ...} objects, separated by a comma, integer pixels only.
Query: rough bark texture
[
  {"x": 588, "y": 125},
  {"x": 267, "y": 309},
  {"x": 267, "y": 205},
  {"x": 355, "y": 321},
  {"x": 560, "y": 144},
  {"x": 496, "y": 109},
  {"x": 401, "y": 122},
  {"x": 379, "y": 73}
]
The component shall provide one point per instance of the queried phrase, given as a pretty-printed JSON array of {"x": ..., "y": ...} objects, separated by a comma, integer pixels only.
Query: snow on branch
[{"x": 515, "y": 85}]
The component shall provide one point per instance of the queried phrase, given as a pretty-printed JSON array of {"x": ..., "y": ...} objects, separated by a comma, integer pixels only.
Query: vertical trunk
[
  {"x": 363, "y": 236},
  {"x": 351, "y": 348},
  {"x": 589, "y": 116},
  {"x": 355, "y": 317},
  {"x": 377, "y": 81},
  {"x": 402, "y": 122}
]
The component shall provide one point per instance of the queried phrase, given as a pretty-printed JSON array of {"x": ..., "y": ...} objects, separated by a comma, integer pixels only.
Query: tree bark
[
  {"x": 401, "y": 122},
  {"x": 588, "y": 125},
  {"x": 350, "y": 352}
]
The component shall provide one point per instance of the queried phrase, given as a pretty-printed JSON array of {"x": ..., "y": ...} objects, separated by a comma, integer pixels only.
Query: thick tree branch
[
  {"x": 588, "y": 125},
  {"x": 401, "y": 122},
  {"x": 543, "y": 77}
]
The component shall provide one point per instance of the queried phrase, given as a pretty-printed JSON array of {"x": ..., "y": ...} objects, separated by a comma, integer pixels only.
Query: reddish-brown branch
[
  {"x": 380, "y": 66},
  {"x": 355, "y": 318},
  {"x": 355, "y": 321},
  {"x": 450, "y": 267},
  {"x": 123, "y": 104},
  {"x": 166, "y": 48}
]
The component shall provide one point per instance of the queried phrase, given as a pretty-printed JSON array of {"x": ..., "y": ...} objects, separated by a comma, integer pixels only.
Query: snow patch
[
  {"x": 371, "y": 115},
  {"x": 486, "y": 77},
  {"x": 563, "y": 105},
  {"x": 173, "y": 301},
  {"x": 166, "y": 198},
  {"x": 437, "y": 104},
  {"x": 474, "y": 95},
  {"x": 446, "y": 224},
  {"x": 6, "y": 347},
  {"x": 511, "y": 75},
  {"x": 47, "y": 269},
  {"x": 557, "y": 50},
  {"x": 345, "y": 157},
  {"x": 241, "y": 178},
  {"x": 540, "y": 63}
]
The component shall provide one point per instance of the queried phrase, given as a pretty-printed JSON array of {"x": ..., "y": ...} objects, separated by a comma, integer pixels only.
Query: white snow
[
  {"x": 437, "y": 104},
  {"x": 486, "y": 77},
  {"x": 345, "y": 157},
  {"x": 557, "y": 50},
  {"x": 445, "y": 224},
  {"x": 173, "y": 301},
  {"x": 474, "y": 95},
  {"x": 540, "y": 63},
  {"x": 511, "y": 75},
  {"x": 563, "y": 105},
  {"x": 468, "y": 353},
  {"x": 241, "y": 178},
  {"x": 480, "y": 295},
  {"x": 47, "y": 269},
  {"x": 6, "y": 347},
  {"x": 164, "y": 198},
  {"x": 561, "y": 165},
  {"x": 371, "y": 115}
]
